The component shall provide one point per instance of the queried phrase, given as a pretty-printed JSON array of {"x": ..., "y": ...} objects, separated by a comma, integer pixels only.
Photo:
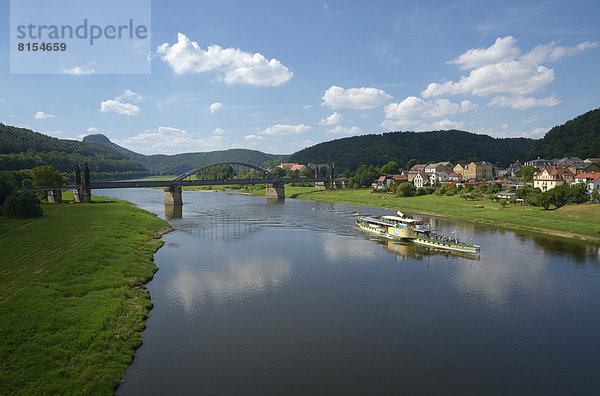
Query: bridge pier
[
  {"x": 275, "y": 191},
  {"x": 54, "y": 196},
  {"x": 173, "y": 195},
  {"x": 82, "y": 192}
]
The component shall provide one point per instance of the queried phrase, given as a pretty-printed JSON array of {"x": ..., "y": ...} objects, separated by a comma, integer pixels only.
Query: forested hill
[
  {"x": 22, "y": 148},
  {"x": 579, "y": 137},
  {"x": 453, "y": 145},
  {"x": 180, "y": 163}
]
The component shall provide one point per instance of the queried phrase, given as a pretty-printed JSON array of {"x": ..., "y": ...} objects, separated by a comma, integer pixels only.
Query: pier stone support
[
  {"x": 321, "y": 185},
  {"x": 54, "y": 196},
  {"x": 82, "y": 194},
  {"x": 275, "y": 191},
  {"x": 173, "y": 195}
]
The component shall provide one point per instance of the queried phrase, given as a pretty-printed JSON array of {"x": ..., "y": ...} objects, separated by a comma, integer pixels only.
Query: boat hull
[{"x": 458, "y": 247}]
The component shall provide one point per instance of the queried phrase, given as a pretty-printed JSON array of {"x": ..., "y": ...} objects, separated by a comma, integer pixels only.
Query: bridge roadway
[{"x": 182, "y": 183}]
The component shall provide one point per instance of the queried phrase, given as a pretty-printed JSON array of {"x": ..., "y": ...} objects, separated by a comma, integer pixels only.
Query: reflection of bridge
[{"x": 274, "y": 185}]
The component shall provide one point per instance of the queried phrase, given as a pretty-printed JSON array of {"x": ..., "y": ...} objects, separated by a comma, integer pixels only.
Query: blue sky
[{"x": 278, "y": 76}]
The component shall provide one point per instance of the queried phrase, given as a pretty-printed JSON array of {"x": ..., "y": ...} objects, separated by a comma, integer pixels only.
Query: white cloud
[
  {"x": 234, "y": 65},
  {"x": 118, "y": 105},
  {"x": 129, "y": 95},
  {"x": 40, "y": 115},
  {"x": 354, "y": 98},
  {"x": 499, "y": 69},
  {"x": 92, "y": 130},
  {"x": 283, "y": 129},
  {"x": 218, "y": 131},
  {"x": 443, "y": 124},
  {"x": 345, "y": 130},
  {"x": 79, "y": 70},
  {"x": 413, "y": 107},
  {"x": 523, "y": 103},
  {"x": 333, "y": 119},
  {"x": 120, "y": 108},
  {"x": 306, "y": 107},
  {"x": 504, "y": 49},
  {"x": 215, "y": 107},
  {"x": 170, "y": 140},
  {"x": 253, "y": 137}
]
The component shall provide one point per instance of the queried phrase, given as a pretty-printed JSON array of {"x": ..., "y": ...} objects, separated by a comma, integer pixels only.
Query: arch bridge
[{"x": 275, "y": 185}]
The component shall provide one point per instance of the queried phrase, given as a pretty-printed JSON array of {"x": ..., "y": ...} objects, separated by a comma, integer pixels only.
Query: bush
[
  {"x": 406, "y": 189},
  {"x": 22, "y": 203},
  {"x": 8, "y": 185},
  {"x": 420, "y": 191}
]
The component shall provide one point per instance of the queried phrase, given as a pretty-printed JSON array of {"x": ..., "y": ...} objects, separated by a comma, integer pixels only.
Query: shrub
[{"x": 22, "y": 203}]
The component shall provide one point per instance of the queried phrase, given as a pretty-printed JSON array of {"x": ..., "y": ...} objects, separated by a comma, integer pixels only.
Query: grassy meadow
[{"x": 72, "y": 295}]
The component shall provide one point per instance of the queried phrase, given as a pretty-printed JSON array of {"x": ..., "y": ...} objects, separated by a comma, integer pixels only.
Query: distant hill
[
  {"x": 453, "y": 145},
  {"x": 180, "y": 163},
  {"x": 579, "y": 137},
  {"x": 22, "y": 148}
]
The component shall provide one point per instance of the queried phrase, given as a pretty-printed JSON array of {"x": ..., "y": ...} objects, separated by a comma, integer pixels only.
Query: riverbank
[
  {"x": 576, "y": 222},
  {"x": 73, "y": 300}
]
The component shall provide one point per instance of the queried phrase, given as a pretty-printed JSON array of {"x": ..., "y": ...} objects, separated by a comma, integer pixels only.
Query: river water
[{"x": 257, "y": 297}]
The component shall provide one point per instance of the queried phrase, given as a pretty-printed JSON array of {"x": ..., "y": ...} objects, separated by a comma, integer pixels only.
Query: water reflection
[
  {"x": 173, "y": 212},
  {"x": 235, "y": 279}
]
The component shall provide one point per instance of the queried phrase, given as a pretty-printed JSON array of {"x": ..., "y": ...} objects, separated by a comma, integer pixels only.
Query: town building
[
  {"x": 513, "y": 169},
  {"x": 592, "y": 180},
  {"x": 540, "y": 162},
  {"x": 574, "y": 164},
  {"x": 439, "y": 167},
  {"x": 438, "y": 177},
  {"x": 481, "y": 170},
  {"x": 546, "y": 178},
  {"x": 414, "y": 170},
  {"x": 421, "y": 179}
]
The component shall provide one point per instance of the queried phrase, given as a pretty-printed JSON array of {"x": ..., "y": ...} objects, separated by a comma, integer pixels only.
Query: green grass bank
[
  {"x": 72, "y": 296},
  {"x": 579, "y": 222}
]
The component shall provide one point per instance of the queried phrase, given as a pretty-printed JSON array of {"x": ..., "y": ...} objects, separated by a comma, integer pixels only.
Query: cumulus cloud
[
  {"x": 40, "y": 115},
  {"x": 345, "y": 130},
  {"x": 215, "y": 107},
  {"x": 500, "y": 69},
  {"x": 92, "y": 130},
  {"x": 284, "y": 129},
  {"x": 418, "y": 125},
  {"x": 119, "y": 104},
  {"x": 170, "y": 140},
  {"x": 333, "y": 119},
  {"x": 354, "y": 98},
  {"x": 413, "y": 107},
  {"x": 218, "y": 131},
  {"x": 523, "y": 103},
  {"x": 444, "y": 124},
  {"x": 120, "y": 108},
  {"x": 233, "y": 65},
  {"x": 504, "y": 49}
]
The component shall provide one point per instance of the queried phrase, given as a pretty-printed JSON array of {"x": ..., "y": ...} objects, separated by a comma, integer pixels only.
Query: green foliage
[
  {"x": 411, "y": 162},
  {"x": 405, "y": 189},
  {"x": 365, "y": 176},
  {"x": 8, "y": 185},
  {"x": 217, "y": 172},
  {"x": 24, "y": 149},
  {"x": 579, "y": 137},
  {"x": 22, "y": 204},
  {"x": 402, "y": 146},
  {"x": 526, "y": 173},
  {"x": 46, "y": 176},
  {"x": 578, "y": 193},
  {"x": 391, "y": 168},
  {"x": 595, "y": 195}
]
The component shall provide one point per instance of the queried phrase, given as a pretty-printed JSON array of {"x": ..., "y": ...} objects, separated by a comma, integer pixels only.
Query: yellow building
[
  {"x": 481, "y": 170},
  {"x": 549, "y": 177}
]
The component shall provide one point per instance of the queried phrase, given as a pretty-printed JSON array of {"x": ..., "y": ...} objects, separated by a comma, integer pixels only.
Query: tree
[
  {"x": 8, "y": 185},
  {"x": 391, "y": 168},
  {"x": 307, "y": 172},
  {"x": 560, "y": 195},
  {"x": 578, "y": 193},
  {"x": 595, "y": 195},
  {"x": 46, "y": 176},
  {"x": 280, "y": 172},
  {"x": 406, "y": 189},
  {"x": 22, "y": 203},
  {"x": 411, "y": 163},
  {"x": 526, "y": 173},
  {"x": 542, "y": 199}
]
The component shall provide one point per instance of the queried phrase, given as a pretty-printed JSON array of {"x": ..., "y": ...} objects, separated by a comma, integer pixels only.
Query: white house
[
  {"x": 591, "y": 179},
  {"x": 421, "y": 179},
  {"x": 438, "y": 177}
]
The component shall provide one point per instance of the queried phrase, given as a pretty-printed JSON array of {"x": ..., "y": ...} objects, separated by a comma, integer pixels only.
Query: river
[{"x": 257, "y": 297}]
